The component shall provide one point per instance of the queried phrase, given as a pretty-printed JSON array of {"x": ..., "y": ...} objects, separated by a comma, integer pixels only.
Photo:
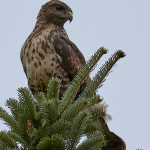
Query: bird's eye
[{"x": 59, "y": 8}]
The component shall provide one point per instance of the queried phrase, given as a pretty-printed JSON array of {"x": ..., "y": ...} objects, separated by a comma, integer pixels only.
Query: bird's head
[{"x": 55, "y": 12}]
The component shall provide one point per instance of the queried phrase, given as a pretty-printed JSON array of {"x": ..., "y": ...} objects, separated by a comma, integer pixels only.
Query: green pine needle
[
  {"x": 53, "y": 88},
  {"x": 101, "y": 74},
  {"x": 94, "y": 142},
  {"x": 48, "y": 109},
  {"x": 7, "y": 140},
  {"x": 56, "y": 142},
  {"x": 9, "y": 120},
  {"x": 77, "y": 129},
  {"x": 27, "y": 100}
]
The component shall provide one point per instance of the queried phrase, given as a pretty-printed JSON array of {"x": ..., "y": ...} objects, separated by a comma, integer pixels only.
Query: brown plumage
[{"x": 48, "y": 52}]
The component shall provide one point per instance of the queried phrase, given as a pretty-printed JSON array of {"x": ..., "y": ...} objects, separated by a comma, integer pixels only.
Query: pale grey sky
[{"x": 117, "y": 24}]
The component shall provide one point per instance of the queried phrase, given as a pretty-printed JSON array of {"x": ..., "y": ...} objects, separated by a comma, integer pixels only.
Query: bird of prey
[{"x": 48, "y": 52}]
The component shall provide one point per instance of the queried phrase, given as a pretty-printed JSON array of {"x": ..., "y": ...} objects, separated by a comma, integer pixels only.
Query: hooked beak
[{"x": 70, "y": 16}]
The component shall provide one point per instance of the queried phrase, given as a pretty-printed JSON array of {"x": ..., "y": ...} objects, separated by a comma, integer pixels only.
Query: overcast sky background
[{"x": 114, "y": 24}]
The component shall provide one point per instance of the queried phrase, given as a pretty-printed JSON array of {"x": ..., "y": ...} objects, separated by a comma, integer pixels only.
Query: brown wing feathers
[{"x": 70, "y": 55}]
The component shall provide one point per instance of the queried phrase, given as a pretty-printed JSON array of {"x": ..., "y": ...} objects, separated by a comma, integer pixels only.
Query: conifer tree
[{"x": 45, "y": 122}]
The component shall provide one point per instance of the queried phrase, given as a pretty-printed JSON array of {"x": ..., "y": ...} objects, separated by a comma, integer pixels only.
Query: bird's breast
[{"x": 42, "y": 63}]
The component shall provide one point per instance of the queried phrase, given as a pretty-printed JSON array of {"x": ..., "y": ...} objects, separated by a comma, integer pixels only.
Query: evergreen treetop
[{"x": 45, "y": 122}]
